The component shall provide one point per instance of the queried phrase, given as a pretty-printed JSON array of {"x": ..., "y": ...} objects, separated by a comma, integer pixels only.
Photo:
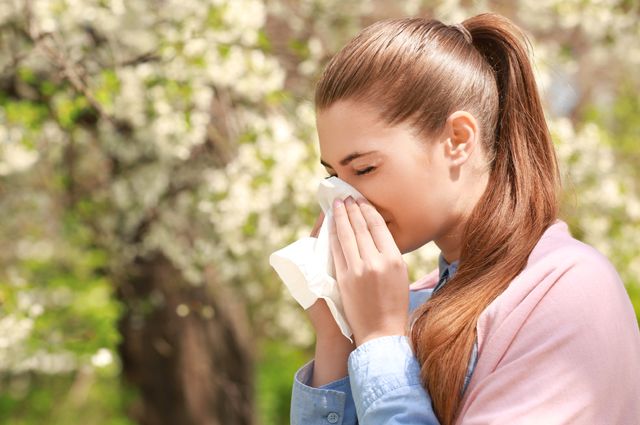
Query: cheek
[
  {"x": 409, "y": 199},
  {"x": 418, "y": 219}
]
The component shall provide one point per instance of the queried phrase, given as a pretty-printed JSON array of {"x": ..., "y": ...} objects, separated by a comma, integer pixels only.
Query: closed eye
[
  {"x": 365, "y": 170},
  {"x": 358, "y": 172}
]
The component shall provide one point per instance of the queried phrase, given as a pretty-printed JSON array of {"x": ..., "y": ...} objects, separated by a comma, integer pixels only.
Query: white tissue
[{"x": 306, "y": 266}]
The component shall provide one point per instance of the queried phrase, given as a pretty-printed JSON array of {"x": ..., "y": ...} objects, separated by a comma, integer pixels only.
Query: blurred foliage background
[{"x": 153, "y": 153}]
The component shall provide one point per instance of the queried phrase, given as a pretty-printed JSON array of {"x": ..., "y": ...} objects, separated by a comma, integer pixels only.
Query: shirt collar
[{"x": 444, "y": 266}]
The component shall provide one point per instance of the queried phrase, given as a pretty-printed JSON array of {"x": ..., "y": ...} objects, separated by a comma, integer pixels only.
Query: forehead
[{"x": 346, "y": 126}]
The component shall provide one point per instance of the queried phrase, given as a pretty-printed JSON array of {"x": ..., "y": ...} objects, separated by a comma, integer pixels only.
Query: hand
[
  {"x": 319, "y": 314},
  {"x": 372, "y": 276},
  {"x": 323, "y": 322}
]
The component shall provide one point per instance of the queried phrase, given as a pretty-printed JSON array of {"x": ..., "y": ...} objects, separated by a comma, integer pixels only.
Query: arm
[
  {"x": 383, "y": 387},
  {"x": 332, "y": 348},
  {"x": 385, "y": 383},
  {"x": 312, "y": 404},
  {"x": 329, "y": 404},
  {"x": 321, "y": 392}
]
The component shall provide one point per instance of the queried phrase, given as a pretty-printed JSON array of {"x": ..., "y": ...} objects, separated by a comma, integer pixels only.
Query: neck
[{"x": 450, "y": 243}]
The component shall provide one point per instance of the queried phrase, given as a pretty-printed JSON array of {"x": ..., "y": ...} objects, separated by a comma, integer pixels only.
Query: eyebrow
[{"x": 347, "y": 159}]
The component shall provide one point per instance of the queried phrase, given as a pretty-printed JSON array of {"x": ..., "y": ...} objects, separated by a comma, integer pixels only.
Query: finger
[
  {"x": 336, "y": 251},
  {"x": 317, "y": 225},
  {"x": 345, "y": 234},
  {"x": 366, "y": 246},
  {"x": 378, "y": 228}
]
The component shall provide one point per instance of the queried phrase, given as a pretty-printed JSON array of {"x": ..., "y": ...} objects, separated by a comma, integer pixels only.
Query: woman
[{"x": 441, "y": 128}]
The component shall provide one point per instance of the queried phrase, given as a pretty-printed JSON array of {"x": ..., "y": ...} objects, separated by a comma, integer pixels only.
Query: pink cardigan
[{"x": 561, "y": 345}]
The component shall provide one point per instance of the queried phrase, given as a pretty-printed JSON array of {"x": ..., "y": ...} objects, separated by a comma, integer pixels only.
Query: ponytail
[{"x": 520, "y": 202}]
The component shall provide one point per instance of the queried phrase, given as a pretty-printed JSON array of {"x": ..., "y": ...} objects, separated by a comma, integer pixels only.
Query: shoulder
[
  {"x": 560, "y": 260},
  {"x": 565, "y": 283},
  {"x": 557, "y": 247},
  {"x": 564, "y": 267},
  {"x": 563, "y": 337}
]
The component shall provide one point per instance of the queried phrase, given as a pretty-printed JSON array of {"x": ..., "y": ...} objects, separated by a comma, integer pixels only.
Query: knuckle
[
  {"x": 376, "y": 267},
  {"x": 372, "y": 268},
  {"x": 395, "y": 262},
  {"x": 358, "y": 271}
]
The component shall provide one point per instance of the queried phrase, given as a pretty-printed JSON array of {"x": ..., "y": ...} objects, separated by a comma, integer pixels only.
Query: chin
[
  {"x": 403, "y": 246},
  {"x": 408, "y": 245},
  {"x": 406, "y": 250}
]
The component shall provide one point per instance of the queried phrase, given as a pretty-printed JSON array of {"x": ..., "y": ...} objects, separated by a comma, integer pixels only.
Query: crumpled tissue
[{"x": 306, "y": 266}]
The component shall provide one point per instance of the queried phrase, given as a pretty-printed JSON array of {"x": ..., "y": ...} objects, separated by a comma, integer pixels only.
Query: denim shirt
[{"x": 383, "y": 385}]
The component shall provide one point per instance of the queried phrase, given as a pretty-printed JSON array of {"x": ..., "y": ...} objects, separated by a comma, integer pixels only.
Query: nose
[
  {"x": 367, "y": 196},
  {"x": 385, "y": 215}
]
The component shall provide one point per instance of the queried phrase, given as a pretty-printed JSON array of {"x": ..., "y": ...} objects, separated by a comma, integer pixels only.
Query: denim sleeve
[
  {"x": 334, "y": 403},
  {"x": 385, "y": 383},
  {"x": 330, "y": 404}
]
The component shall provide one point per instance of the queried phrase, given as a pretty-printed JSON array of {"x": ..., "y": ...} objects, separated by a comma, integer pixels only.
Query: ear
[{"x": 462, "y": 136}]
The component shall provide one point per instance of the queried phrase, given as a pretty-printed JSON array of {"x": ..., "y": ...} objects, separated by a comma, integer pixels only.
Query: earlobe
[{"x": 463, "y": 133}]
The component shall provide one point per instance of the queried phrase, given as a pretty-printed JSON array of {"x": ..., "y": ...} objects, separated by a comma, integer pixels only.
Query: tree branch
[{"x": 50, "y": 44}]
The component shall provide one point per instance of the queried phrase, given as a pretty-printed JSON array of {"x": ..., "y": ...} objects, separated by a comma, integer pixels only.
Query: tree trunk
[{"x": 185, "y": 348}]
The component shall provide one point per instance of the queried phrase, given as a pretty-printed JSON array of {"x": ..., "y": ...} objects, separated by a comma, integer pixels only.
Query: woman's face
[{"x": 414, "y": 184}]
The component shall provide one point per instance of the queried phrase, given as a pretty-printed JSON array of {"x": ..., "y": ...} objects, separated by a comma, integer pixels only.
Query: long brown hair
[{"x": 420, "y": 71}]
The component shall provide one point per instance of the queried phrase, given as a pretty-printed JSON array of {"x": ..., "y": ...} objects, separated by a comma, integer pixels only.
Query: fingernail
[
  {"x": 337, "y": 203},
  {"x": 348, "y": 201},
  {"x": 361, "y": 201}
]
